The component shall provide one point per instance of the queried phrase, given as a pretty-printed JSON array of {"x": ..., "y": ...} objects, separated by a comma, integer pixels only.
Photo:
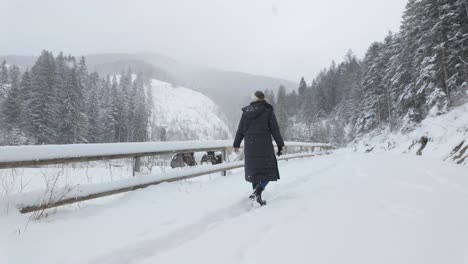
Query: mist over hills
[{"x": 229, "y": 89}]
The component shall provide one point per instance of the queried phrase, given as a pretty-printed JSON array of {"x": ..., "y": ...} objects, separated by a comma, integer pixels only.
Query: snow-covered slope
[
  {"x": 445, "y": 133},
  {"x": 343, "y": 208},
  {"x": 185, "y": 114}
]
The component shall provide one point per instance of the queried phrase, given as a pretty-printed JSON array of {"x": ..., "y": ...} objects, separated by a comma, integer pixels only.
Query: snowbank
[{"x": 445, "y": 133}]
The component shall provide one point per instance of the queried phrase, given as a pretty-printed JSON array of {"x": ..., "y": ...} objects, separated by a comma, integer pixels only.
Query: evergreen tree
[
  {"x": 73, "y": 128},
  {"x": 302, "y": 87},
  {"x": 59, "y": 102},
  {"x": 292, "y": 103},
  {"x": 309, "y": 111},
  {"x": 301, "y": 92},
  {"x": 140, "y": 122},
  {"x": 3, "y": 79},
  {"x": 61, "y": 76},
  {"x": 27, "y": 95},
  {"x": 270, "y": 97},
  {"x": 107, "y": 113},
  {"x": 44, "y": 101},
  {"x": 124, "y": 106},
  {"x": 281, "y": 112},
  {"x": 117, "y": 111},
  {"x": 12, "y": 108},
  {"x": 93, "y": 109}
]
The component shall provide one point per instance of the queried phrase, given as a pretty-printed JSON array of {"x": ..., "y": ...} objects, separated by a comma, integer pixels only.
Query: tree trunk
[
  {"x": 466, "y": 7},
  {"x": 442, "y": 39},
  {"x": 444, "y": 66},
  {"x": 389, "y": 107}
]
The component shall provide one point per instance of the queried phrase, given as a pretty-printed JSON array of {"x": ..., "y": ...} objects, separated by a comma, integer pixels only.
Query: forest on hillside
[
  {"x": 58, "y": 101},
  {"x": 419, "y": 71}
]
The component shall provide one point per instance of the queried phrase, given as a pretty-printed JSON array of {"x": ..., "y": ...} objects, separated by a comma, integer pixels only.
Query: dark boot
[
  {"x": 259, "y": 196},
  {"x": 257, "y": 190}
]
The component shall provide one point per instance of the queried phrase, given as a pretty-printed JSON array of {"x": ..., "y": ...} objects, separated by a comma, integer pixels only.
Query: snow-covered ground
[
  {"x": 342, "y": 208},
  {"x": 445, "y": 132},
  {"x": 186, "y": 114}
]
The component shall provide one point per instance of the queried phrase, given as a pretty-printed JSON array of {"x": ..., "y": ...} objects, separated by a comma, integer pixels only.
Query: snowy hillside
[
  {"x": 341, "y": 208},
  {"x": 445, "y": 133},
  {"x": 185, "y": 114}
]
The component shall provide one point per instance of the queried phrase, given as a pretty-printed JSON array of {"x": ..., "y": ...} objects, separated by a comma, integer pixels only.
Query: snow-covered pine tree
[
  {"x": 116, "y": 110},
  {"x": 73, "y": 127},
  {"x": 3, "y": 79},
  {"x": 302, "y": 87},
  {"x": 308, "y": 112},
  {"x": 84, "y": 90},
  {"x": 270, "y": 97},
  {"x": 301, "y": 92},
  {"x": 140, "y": 120},
  {"x": 400, "y": 74},
  {"x": 453, "y": 47},
  {"x": 124, "y": 94},
  {"x": 319, "y": 96},
  {"x": 61, "y": 76},
  {"x": 107, "y": 114},
  {"x": 83, "y": 73},
  {"x": 27, "y": 92},
  {"x": 292, "y": 103},
  {"x": 93, "y": 109},
  {"x": 12, "y": 107},
  {"x": 373, "y": 110},
  {"x": 330, "y": 87},
  {"x": 432, "y": 90},
  {"x": 44, "y": 102},
  {"x": 282, "y": 112},
  {"x": 348, "y": 86}
]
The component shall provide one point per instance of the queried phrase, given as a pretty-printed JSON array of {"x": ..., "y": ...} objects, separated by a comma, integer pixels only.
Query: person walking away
[{"x": 257, "y": 126}]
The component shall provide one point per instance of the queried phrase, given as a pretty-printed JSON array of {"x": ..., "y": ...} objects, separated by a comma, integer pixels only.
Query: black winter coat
[{"x": 257, "y": 125}]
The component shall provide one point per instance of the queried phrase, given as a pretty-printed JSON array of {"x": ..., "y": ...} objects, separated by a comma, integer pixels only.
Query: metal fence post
[
  {"x": 224, "y": 160},
  {"x": 136, "y": 165},
  {"x": 285, "y": 151}
]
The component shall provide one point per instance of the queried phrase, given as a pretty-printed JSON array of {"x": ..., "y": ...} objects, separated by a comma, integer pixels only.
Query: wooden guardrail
[{"x": 26, "y": 156}]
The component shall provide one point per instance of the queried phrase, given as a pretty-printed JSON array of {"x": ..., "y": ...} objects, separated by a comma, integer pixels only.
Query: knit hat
[{"x": 258, "y": 96}]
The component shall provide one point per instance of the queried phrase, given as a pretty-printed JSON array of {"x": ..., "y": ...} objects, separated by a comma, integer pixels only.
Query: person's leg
[
  {"x": 257, "y": 188},
  {"x": 254, "y": 188},
  {"x": 260, "y": 187},
  {"x": 264, "y": 184}
]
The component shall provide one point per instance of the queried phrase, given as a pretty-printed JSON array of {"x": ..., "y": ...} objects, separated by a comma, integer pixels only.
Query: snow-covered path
[{"x": 341, "y": 208}]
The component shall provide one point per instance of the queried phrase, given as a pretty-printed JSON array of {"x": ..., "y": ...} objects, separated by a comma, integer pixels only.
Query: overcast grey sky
[{"x": 281, "y": 38}]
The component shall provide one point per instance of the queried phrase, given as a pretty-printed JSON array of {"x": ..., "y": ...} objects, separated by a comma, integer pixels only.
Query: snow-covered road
[{"x": 341, "y": 208}]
